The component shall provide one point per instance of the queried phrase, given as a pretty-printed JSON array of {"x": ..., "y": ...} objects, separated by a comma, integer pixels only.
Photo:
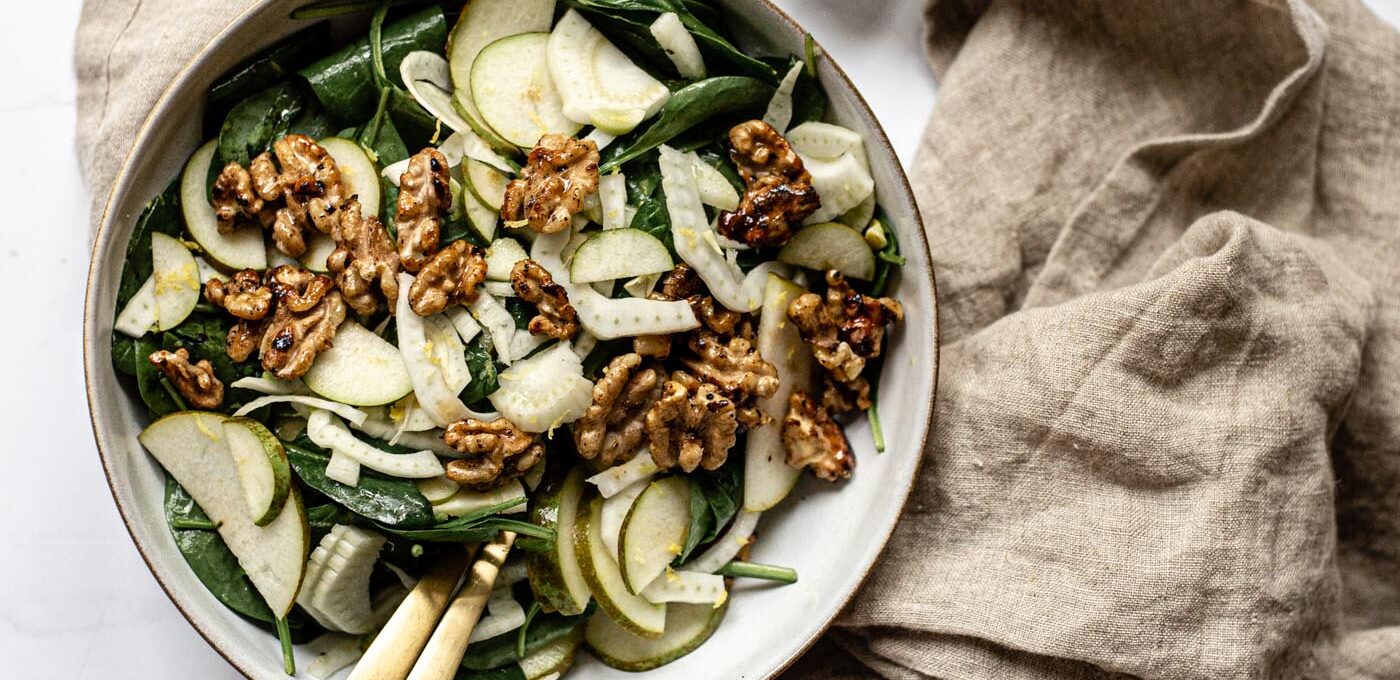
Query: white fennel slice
[
  {"x": 602, "y": 139},
  {"x": 380, "y": 427},
  {"x": 727, "y": 546},
  {"x": 779, "y": 113},
  {"x": 501, "y": 257},
  {"x": 513, "y": 90},
  {"x": 619, "y": 253},
  {"x": 463, "y": 145},
  {"x": 504, "y": 615},
  {"x": 679, "y": 45},
  {"x": 826, "y": 141},
  {"x": 345, "y": 411},
  {"x": 715, "y": 189},
  {"x": 139, "y": 314},
  {"x": 612, "y": 195},
  {"x": 498, "y": 322},
  {"x": 344, "y": 469},
  {"x": 696, "y": 243},
  {"x": 500, "y": 289},
  {"x": 429, "y": 80},
  {"x": 342, "y": 565},
  {"x": 618, "y": 478},
  {"x": 467, "y": 327},
  {"x": 524, "y": 343},
  {"x": 842, "y": 185},
  {"x": 269, "y": 385},
  {"x": 176, "y": 279},
  {"x": 360, "y": 369},
  {"x": 430, "y": 384},
  {"x": 598, "y": 84},
  {"x": 544, "y": 391},
  {"x": 357, "y": 172},
  {"x": 242, "y": 249},
  {"x": 329, "y": 433}
]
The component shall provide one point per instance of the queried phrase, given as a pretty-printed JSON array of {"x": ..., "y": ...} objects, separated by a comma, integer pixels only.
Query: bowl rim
[{"x": 100, "y": 244}]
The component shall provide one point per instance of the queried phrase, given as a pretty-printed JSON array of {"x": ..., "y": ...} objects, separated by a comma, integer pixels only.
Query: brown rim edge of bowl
[{"x": 237, "y": 23}]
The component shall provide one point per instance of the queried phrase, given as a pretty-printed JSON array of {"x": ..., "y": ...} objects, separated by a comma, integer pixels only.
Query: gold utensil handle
[
  {"x": 443, "y": 654},
  {"x": 391, "y": 655}
]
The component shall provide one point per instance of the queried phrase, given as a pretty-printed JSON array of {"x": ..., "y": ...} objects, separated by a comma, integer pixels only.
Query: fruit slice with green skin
[
  {"x": 176, "y": 281},
  {"x": 501, "y": 257},
  {"x": 513, "y": 90},
  {"x": 687, "y": 627},
  {"x": 598, "y": 84},
  {"x": 357, "y": 172},
  {"x": 842, "y": 184},
  {"x": 486, "y": 183},
  {"x": 655, "y": 529},
  {"x": 619, "y": 254},
  {"x": 318, "y": 249},
  {"x": 615, "y": 511},
  {"x": 605, "y": 579},
  {"x": 139, "y": 314},
  {"x": 830, "y": 245},
  {"x": 360, "y": 369},
  {"x": 467, "y": 501},
  {"x": 262, "y": 468},
  {"x": 481, "y": 23},
  {"x": 555, "y": 574},
  {"x": 553, "y": 658},
  {"x": 191, "y": 446},
  {"x": 768, "y": 479},
  {"x": 242, "y": 249},
  {"x": 437, "y": 489},
  {"x": 482, "y": 218}
]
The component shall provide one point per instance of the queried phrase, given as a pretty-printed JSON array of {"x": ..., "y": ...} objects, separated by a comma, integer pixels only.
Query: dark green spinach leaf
[
  {"x": 386, "y": 500},
  {"x": 162, "y": 215},
  {"x": 344, "y": 81},
  {"x": 150, "y": 383},
  {"x": 210, "y": 559},
  {"x": 629, "y": 22},
  {"x": 688, "y": 107},
  {"x": 205, "y": 337},
  {"x": 483, "y": 369},
  {"x": 501, "y": 650},
  {"x": 264, "y": 70},
  {"x": 254, "y": 123}
]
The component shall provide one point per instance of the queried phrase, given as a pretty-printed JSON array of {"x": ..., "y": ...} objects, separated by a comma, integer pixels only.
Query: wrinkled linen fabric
[{"x": 1167, "y": 438}]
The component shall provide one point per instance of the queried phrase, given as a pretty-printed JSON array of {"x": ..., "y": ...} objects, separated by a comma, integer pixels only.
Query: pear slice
[
  {"x": 193, "y": 448},
  {"x": 555, "y": 575},
  {"x": 262, "y": 467},
  {"x": 605, "y": 579},
  {"x": 687, "y": 627},
  {"x": 361, "y": 369},
  {"x": 656, "y": 527},
  {"x": 176, "y": 278}
]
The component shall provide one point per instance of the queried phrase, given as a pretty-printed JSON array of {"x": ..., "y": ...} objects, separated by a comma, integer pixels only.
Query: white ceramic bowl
[{"x": 832, "y": 535}]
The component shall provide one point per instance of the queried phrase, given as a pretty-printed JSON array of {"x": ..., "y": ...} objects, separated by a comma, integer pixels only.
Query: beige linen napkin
[{"x": 1168, "y": 433}]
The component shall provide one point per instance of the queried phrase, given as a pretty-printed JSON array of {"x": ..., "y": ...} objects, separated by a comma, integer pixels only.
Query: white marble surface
[{"x": 76, "y": 600}]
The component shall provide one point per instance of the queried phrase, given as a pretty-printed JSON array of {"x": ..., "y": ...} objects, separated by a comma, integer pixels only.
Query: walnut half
[
  {"x": 815, "y": 441},
  {"x": 691, "y": 428},
  {"x": 495, "y": 452},
  {"x": 425, "y": 196},
  {"x": 559, "y": 174},
  {"x": 449, "y": 277},
  {"x": 844, "y": 328},
  {"x": 309, "y": 310},
  {"x": 615, "y": 425},
  {"x": 557, "y": 318},
  {"x": 363, "y": 258},
  {"x": 778, "y": 191},
  {"x": 195, "y": 381}
]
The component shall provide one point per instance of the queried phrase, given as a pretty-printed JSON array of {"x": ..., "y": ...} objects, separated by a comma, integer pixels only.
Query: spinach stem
[
  {"x": 810, "y": 46},
  {"x": 201, "y": 524},
  {"x": 876, "y": 430},
  {"x": 525, "y": 628},
  {"x": 174, "y": 393},
  {"x": 767, "y": 572},
  {"x": 376, "y": 44},
  {"x": 284, "y": 635}
]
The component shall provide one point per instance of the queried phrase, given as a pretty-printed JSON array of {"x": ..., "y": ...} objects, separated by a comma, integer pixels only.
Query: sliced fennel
[
  {"x": 467, "y": 144},
  {"x": 679, "y": 45},
  {"x": 429, "y": 79},
  {"x": 779, "y": 113},
  {"x": 598, "y": 84},
  {"x": 843, "y": 184},
  {"x": 505, "y": 615},
  {"x": 467, "y": 327},
  {"x": 497, "y": 321},
  {"x": 500, "y": 289},
  {"x": 349, "y": 413},
  {"x": 269, "y": 385},
  {"x": 618, "y": 478},
  {"x": 430, "y": 384},
  {"x": 612, "y": 193},
  {"x": 544, "y": 391},
  {"x": 336, "y": 590},
  {"x": 379, "y": 426},
  {"x": 826, "y": 141},
  {"x": 329, "y": 433}
]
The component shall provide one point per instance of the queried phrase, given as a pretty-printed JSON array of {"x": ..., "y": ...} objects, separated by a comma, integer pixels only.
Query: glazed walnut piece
[
  {"x": 560, "y": 173},
  {"x": 309, "y": 310},
  {"x": 735, "y": 366},
  {"x": 845, "y": 328},
  {"x": 195, "y": 381},
  {"x": 425, "y": 197},
  {"x": 691, "y": 428},
  {"x": 243, "y": 295},
  {"x": 556, "y": 317},
  {"x": 364, "y": 257},
  {"x": 449, "y": 277},
  {"x": 495, "y": 452},
  {"x": 813, "y": 440},
  {"x": 778, "y": 191},
  {"x": 236, "y": 202},
  {"x": 308, "y": 186},
  {"x": 615, "y": 425}
]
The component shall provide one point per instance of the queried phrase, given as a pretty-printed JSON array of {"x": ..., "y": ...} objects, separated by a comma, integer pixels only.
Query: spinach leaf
[
  {"x": 888, "y": 258},
  {"x": 483, "y": 369},
  {"x": 264, "y": 70},
  {"x": 629, "y": 22},
  {"x": 205, "y": 337},
  {"x": 653, "y": 218},
  {"x": 344, "y": 81},
  {"x": 723, "y": 489},
  {"x": 322, "y": 517},
  {"x": 511, "y": 672},
  {"x": 476, "y": 527},
  {"x": 688, "y": 107},
  {"x": 150, "y": 383},
  {"x": 387, "y": 500},
  {"x": 254, "y": 123},
  {"x": 521, "y": 311},
  {"x": 715, "y": 156},
  {"x": 501, "y": 650},
  {"x": 701, "y": 522},
  {"x": 598, "y": 359},
  {"x": 210, "y": 559}
]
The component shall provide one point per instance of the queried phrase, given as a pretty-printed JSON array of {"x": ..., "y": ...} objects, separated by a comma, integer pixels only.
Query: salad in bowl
[{"x": 581, "y": 280}]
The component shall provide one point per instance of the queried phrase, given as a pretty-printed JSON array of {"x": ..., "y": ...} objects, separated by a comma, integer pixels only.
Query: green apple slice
[
  {"x": 605, "y": 578},
  {"x": 619, "y": 254},
  {"x": 438, "y": 489},
  {"x": 318, "y": 249},
  {"x": 481, "y": 23},
  {"x": 830, "y": 245},
  {"x": 466, "y": 501},
  {"x": 655, "y": 529},
  {"x": 242, "y": 249},
  {"x": 615, "y": 510},
  {"x": 767, "y": 477},
  {"x": 357, "y": 172},
  {"x": 192, "y": 447},
  {"x": 687, "y": 627},
  {"x": 501, "y": 257},
  {"x": 262, "y": 467},
  {"x": 555, "y": 574},
  {"x": 554, "y": 658},
  {"x": 513, "y": 90},
  {"x": 486, "y": 183},
  {"x": 176, "y": 279},
  {"x": 361, "y": 369}
]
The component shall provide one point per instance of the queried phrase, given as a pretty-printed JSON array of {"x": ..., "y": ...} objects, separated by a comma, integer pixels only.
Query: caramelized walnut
[
  {"x": 533, "y": 284},
  {"x": 615, "y": 425},
  {"x": 815, "y": 441},
  {"x": 244, "y": 295},
  {"x": 244, "y": 337},
  {"x": 683, "y": 283},
  {"x": 309, "y": 310},
  {"x": 425, "y": 197},
  {"x": 266, "y": 180},
  {"x": 495, "y": 452},
  {"x": 689, "y": 428},
  {"x": 778, "y": 191},
  {"x": 560, "y": 173},
  {"x": 449, "y": 277},
  {"x": 364, "y": 257},
  {"x": 196, "y": 382},
  {"x": 310, "y": 182},
  {"x": 844, "y": 397},
  {"x": 652, "y": 346},
  {"x": 735, "y": 367},
  {"x": 845, "y": 328},
  {"x": 236, "y": 202}
]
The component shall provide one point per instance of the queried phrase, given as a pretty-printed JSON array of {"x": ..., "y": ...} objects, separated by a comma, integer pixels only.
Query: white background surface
[{"x": 76, "y": 600}]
